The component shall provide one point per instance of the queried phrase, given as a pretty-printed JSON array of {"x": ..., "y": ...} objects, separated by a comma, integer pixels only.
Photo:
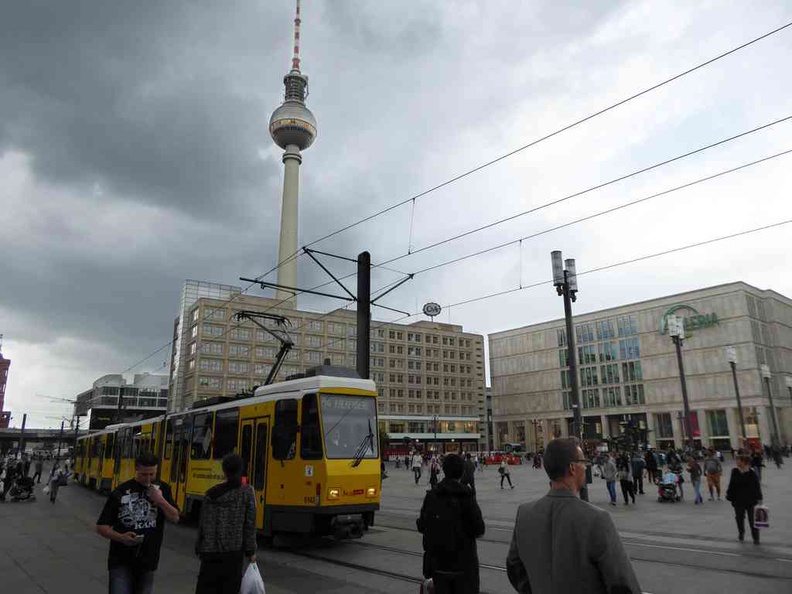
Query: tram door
[
  {"x": 246, "y": 449},
  {"x": 259, "y": 467}
]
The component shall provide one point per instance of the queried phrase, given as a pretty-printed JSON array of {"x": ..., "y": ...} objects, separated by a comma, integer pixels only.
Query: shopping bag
[
  {"x": 761, "y": 516},
  {"x": 46, "y": 490},
  {"x": 427, "y": 586},
  {"x": 251, "y": 581}
]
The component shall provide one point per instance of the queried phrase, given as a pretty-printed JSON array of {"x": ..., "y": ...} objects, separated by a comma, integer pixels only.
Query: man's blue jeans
[
  {"x": 611, "y": 490},
  {"x": 127, "y": 580}
]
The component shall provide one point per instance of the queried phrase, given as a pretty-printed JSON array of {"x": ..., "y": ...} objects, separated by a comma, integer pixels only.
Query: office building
[
  {"x": 146, "y": 396},
  {"x": 628, "y": 371},
  {"x": 426, "y": 372}
]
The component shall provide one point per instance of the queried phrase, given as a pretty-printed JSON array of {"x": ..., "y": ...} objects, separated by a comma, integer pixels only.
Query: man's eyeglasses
[{"x": 586, "y": 462}]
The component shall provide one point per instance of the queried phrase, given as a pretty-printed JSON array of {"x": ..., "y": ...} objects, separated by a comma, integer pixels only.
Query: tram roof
[{"x": 276, "y": 391}]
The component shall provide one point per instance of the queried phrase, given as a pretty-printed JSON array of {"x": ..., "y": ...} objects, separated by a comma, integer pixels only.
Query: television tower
[{"x": 293, "y": 128}]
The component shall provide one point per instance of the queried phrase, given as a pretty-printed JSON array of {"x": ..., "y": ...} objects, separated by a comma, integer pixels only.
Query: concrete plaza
[{"x": 47, "y": 548}]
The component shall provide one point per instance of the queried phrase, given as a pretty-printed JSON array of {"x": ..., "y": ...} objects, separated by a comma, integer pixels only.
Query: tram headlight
[
  {"x": 333, "y": 493},
  {"x": 371, "y": 492}
]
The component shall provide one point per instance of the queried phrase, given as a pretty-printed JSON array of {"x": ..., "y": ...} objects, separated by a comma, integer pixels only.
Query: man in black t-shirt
[{"x": 133, "y": 519}]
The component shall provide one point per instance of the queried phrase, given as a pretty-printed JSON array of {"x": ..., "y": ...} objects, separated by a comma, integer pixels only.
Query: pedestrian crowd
[{"x": 594, "y": 560}]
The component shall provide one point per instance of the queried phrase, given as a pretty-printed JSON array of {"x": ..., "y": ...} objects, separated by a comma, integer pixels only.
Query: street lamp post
[
  {"x": 565, "y": 282},
  {"x": 767, "y": 375},
  {"x": 676, "y": 328},
  {"x": 434, "y": 423},
  {"x": 731, "y": 357}
]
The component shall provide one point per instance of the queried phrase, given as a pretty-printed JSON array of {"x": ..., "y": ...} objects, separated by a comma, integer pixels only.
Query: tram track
[
  {"x": 634, "y": 557},
  {"x": 365, "y": 568}
]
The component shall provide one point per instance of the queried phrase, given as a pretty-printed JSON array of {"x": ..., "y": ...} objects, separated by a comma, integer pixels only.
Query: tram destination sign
[{"x": 693, "y": 319}]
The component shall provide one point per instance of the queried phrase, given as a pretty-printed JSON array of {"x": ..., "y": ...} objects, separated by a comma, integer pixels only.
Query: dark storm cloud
[{"x": 156, "y": 101}]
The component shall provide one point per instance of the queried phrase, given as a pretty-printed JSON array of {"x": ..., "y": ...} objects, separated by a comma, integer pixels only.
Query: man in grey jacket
[
  {"x": 227, "y": 532},
  {"x": 563, "y": 544}
]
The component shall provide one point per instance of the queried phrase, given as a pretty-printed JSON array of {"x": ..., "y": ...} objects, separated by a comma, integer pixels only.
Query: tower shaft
[{"x": 287, "y": 252}]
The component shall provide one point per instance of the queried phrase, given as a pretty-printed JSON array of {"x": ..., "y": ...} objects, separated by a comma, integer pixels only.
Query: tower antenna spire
[{"x": 296, "y": 56}]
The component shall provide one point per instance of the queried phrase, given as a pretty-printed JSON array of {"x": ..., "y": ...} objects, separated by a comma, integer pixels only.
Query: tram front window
[{"x": 350, "y": 425}]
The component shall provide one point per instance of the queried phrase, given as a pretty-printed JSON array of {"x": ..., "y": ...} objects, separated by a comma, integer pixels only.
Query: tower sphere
[{"x": 292, "y": 122}]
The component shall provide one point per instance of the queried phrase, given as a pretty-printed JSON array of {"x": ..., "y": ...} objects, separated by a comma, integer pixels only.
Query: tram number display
[
  {"x": 309, "y": 499},
  {"x": 345, "y": 403}
]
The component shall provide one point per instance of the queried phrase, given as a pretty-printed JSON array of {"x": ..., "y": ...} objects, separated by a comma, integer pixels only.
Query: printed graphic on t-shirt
[{"x": 136, "y": 512}]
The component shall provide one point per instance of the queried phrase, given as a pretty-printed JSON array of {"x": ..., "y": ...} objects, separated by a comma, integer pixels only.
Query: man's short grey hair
[{"x": 559, "y": 454}]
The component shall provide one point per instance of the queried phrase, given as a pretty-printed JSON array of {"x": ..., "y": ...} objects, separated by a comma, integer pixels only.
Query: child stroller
[
  {"x": 667, "y": 487},
  {"x": 22, "y": 490}
]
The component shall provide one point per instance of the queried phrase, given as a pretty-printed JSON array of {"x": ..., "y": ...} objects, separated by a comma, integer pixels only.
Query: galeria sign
[{"x": 693, "y": 321}]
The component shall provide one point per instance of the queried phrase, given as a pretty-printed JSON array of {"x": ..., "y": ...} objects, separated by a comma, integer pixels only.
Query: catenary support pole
[
  {"x": 739, "y": 402},
  {"x": 686, "y": 403},
  {"x": 363, "y": 313}
]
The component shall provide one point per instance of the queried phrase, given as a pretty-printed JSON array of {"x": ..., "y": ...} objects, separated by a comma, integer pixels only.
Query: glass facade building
[{"x": 627, "y": 371}]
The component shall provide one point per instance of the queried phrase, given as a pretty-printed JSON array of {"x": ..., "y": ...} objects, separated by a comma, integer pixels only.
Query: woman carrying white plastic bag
[{"x": 252, "y": 583}]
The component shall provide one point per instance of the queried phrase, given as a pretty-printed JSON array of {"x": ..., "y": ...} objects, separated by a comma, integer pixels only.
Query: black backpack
[{"x": 442, "y": 527}]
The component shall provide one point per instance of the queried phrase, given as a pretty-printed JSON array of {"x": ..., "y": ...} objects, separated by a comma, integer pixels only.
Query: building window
[
  {"x": 261, "y": 369},
  {"x": 587, "y": 355},
  {"x": 628, "y": 325},
  {"x": 566, "y": 398},
  {"x": 563, "y": 358},
  {"x": 584, "y": 333},
  {"x": 561, "y": 337},
  {"x": 215, "y": 365},
  {"x": 237, "y": 384},
  {"x": 238, "y": 367},
  {"x": 210, "y": 382},
  {"x": 591, "y": 398},
  {"x": 265, "y": 352},
  {"x": 610, "y": 373},
  {"x": 565, "y": 379},
  {"x": 240, "y": 334},
  {"x": 605, "y": 329},
  {"x": 607, "y": 352},
  {"x": 631, "y": 372},
  {"x": 664, "y": 426},
  {"x": 717, "y": 423},
  {"x": 612, "y": 396},
  {"x": 334, "y": 328},
  {"x": 212, "y": 348},
  {"x": 316, "y": 326},
  {"x": 212, "y": 330},
  {"x": 352, "y": 330},
  {"x": 313, "y": 341},
  {"x": 629, "y": 348},
  {"x": 238, "y": 350},
  {"x": 634, "y": 394},
  {"x": 313, "y": 356},
  {"x": 588, "y": 376}
]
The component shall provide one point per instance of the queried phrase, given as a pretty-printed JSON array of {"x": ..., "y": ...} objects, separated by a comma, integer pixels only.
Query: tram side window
[
  {"x": 97, "y": 448},
  {"x": 108, "y": 453},
  {"x": 128, "y": 445},
  {"x": 168, "y": 441},
  {"x": 310, "y": 433},
  {"x": 284, "y": 432},
  {"x": 226, "y": 431},
  {"x": 202, "y": 437}
]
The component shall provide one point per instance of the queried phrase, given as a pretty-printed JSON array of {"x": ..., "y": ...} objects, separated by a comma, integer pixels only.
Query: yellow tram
[
  {"x": 94, "y": 459},
  {"x": 309, "y": 445}
]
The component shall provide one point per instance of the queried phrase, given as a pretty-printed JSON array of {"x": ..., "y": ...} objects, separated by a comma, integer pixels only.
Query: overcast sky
[{"x": 134, "y": 154}]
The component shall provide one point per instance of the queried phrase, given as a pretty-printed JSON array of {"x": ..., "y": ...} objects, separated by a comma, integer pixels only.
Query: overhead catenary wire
[
  {"x": 551, "y": 134},
  {"x": 588, "y": 190},
  {"x": 623, "y": 263},
  {"x": 605, "y": 212}
]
